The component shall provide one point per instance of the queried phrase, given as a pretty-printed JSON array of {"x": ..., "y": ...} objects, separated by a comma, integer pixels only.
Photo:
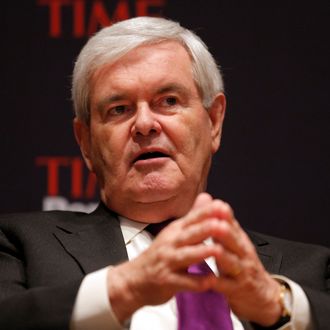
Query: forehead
[{"x": 166, "y": 62}]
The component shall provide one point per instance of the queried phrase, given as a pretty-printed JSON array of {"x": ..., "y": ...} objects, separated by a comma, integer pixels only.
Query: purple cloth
[{"x": 206, "y": 310}]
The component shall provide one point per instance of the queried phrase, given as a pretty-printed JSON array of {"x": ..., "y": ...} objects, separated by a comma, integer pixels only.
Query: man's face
[{"x": 150, "y": 139}]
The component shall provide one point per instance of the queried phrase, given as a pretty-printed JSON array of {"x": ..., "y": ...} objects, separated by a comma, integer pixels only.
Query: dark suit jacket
[{"x": 44, "y": 257}]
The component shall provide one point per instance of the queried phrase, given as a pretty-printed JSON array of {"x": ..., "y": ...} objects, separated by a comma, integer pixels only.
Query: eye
[
  {"x": 119, "y": 110},
  {"x": 169, "y": 101}
]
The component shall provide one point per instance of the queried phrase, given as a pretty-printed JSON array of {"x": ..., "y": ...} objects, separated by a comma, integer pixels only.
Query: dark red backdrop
[{"x": 273, "y": 166}]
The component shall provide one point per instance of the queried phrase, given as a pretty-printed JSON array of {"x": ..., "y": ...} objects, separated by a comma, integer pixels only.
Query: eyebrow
[{"x": 173, "y": 88}]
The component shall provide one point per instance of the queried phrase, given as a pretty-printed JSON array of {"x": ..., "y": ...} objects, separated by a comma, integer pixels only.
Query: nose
[{"x": 146, "y": 122}]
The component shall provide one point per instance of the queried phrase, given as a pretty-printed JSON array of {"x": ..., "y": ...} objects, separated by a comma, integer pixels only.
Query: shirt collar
[{"x": 130, "y": 228}]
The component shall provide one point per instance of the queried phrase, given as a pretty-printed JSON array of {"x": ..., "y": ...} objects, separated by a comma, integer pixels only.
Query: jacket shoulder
[
  {"x": 43, "y": 221},
  {"x": 285, "y": 244}
]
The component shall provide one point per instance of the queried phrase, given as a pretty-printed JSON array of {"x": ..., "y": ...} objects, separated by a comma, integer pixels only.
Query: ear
[
  {"x": 83, "y": 138},
  {"x": 217, "y": 115}
]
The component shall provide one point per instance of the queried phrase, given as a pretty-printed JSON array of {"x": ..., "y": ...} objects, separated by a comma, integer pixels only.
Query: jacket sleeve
[
  {"x": 35, "y": 308},
  {"x": 320, "y": 305},
  {"x": 313, "y": 274}
]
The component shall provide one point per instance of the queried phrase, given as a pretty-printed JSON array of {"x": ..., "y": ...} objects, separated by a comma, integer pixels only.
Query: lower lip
[{"x": 151, "y": 161}]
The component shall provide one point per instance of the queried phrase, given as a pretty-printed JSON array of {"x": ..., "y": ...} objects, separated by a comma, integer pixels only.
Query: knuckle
[
  {"x": 244, "y": 250},
  {"x": 249, "y": 283},
  {"x": 228, "y": 208},
  {"x": 210, "y": 226},
  {"x": 164, "y": 256},
  {"x": 204, "y": 284}
]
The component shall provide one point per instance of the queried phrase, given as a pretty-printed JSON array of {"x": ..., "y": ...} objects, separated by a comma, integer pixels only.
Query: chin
[
  {"x": 155, "y": 188},
  {"x": 151, "y": 196}
]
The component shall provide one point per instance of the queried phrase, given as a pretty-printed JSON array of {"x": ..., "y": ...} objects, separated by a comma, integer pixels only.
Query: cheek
[
  {"x": 105, "y": 146},
  {"x": 193, "y": 147},
  {"x": 193, "y": 137}
]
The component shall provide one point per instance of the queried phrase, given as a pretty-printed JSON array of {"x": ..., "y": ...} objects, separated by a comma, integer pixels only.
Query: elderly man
[{"x": 149, "y": 108}]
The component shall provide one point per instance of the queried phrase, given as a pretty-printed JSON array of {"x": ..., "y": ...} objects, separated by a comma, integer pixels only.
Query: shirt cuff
[
  {"x": 301, "y": 317},
  {"x": 92, "y": 308}
]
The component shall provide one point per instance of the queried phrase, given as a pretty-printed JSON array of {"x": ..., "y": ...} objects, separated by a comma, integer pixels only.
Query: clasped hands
[{"x": 161, "y": 271}]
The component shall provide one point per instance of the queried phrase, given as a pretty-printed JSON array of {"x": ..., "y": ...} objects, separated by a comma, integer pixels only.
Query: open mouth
[{"x": 150, "y": 155}]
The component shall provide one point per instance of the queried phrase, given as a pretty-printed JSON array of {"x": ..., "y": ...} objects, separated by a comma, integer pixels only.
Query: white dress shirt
[{"x": 92, "y": 309}]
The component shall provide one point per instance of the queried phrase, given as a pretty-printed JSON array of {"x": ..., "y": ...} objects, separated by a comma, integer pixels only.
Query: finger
[
  {"x": 199, "y": 214},
  {"x": 196, "y": 283},
  {"x": 221, "y": 231},
  {"x": 229, "y": 264},
  {"x": 215, "y": 208},
  {"x": 198, "y": 232},
  {"x": 201, "y": 200},
  {"x": 201, "y": 224},
  {"x": 231, "y": 239},
  {"x": 184, "y": 257},
  {"x": 223, "y": 211},
  {"x": 248, "y": 280},
  {"x": 225, "y": 285}
]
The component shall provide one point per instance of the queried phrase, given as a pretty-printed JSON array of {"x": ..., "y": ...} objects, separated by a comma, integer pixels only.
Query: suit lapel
[
  {"x": 100, "y": 243},
  {"x": 269, "y": 256}
]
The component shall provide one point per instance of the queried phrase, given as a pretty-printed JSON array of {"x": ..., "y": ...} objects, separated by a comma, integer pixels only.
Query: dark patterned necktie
[{"x": 206, "y": 310}]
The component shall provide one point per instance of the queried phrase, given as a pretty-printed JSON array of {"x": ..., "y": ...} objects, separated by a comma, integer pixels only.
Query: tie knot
[{"x": 155, "y": 228}]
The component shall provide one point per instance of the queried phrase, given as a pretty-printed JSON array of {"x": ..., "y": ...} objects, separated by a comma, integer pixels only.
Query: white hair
[{"x": 113, "y": 42}]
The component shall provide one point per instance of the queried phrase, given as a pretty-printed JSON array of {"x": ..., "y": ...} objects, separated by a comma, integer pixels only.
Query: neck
[{"x": 154, "y": 212}]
